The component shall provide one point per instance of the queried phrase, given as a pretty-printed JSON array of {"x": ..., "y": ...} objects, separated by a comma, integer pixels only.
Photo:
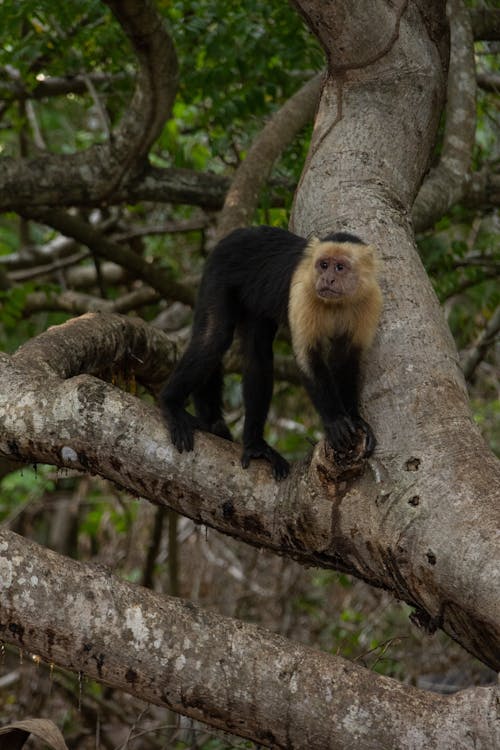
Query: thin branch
[
  {"x": 38, "y": 138},
  {"x": 78, "y": 303},
  {"x": 466, "y": 283},
  {"x": 48, "y": 268},
  {"x": 486, "y": 340},
  {"x": 169, "y": 227},
  {"x": 243, "y": 194},
  {"x": 53, "y": 86},
  {"x": 72, "y": 226},
  {"x": 103, "y": 115},
  {"x": 485, "y": 24},
  {"x": 477, "y": 261},
  {"x": 489, "y": 82}
]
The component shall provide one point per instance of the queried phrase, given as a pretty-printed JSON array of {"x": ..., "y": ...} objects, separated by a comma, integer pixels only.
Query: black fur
[
  {"x": 245, "y": 286},
  {"x": 333, "y": 389},
  {"x": 342, "y": 237},
  {"x": 254, "y": 266}
]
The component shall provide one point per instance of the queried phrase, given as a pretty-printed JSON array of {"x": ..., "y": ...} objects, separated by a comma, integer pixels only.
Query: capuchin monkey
[{"x": 255, "y": 280}]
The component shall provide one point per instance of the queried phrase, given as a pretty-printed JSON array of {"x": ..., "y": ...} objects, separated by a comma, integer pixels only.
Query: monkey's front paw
[
  {"x": 341, "y": 434},
  {"x": 370, "y": 441},
  {"x": 260, "y": 449},
  {"x": 345, "y": 434}
]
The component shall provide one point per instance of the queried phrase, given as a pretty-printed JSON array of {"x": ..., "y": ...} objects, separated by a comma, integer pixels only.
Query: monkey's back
[{"x": 253, "y": 269}]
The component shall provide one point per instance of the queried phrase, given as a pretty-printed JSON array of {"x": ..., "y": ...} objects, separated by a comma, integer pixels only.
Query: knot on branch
[{"x": 336, "y": 472}]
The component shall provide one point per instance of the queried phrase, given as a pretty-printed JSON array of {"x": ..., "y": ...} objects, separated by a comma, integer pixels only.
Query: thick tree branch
[
  {"x": 98, "y": 343},
  {"x": 156, "y": 84},
  {"x": 230, "y": 675},
  {"x": 174, "y": 185},
  {"x": 448, "y": 182},
  {"x": 37, "y": 183}
]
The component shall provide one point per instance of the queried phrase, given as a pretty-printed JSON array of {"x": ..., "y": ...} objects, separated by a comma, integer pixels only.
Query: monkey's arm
[{"x": 332, "y": 383}]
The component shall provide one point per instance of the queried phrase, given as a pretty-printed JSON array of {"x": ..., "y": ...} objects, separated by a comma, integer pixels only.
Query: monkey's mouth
[{"x": 328, "y": 293}]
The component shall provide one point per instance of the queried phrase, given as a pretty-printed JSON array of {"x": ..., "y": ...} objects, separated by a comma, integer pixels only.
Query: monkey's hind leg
[
  {"x": 180, "y": 423},
  {"x": 182, "y": 382},
  {"x": 258, "y": 339},
  {"x": 208, "y": 405},
  {"x": 258, "y": 448},
  {"x": 197, "y": 369}
]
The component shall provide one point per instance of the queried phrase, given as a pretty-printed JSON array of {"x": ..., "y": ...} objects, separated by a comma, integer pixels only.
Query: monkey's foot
[
  {"x": 220, "y": 429},
  {"x": 260, "y": 449},
  {"x": 181, "y": 425}
]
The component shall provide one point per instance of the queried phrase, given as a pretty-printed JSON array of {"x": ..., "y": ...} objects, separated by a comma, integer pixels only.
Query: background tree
[{"x": 118, "y": 173}]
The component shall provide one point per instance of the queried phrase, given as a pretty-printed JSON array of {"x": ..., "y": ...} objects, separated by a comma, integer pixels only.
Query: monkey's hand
[
  {"x": 370, "y": 441},
  {"x": 260, "y": 449},
  {"x": 344, "y": 433},
  {"x": 181, "y": 425}
]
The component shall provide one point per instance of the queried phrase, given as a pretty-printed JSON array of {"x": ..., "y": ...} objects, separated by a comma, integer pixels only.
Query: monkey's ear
[
  {"x": 372, "y": 256},
  {"x": 312, "y": 244}
]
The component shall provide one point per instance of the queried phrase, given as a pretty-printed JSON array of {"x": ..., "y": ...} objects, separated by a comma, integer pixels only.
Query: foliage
[
  {"x": 462, "y": 257},
  {"x": 22, "y": 487}
]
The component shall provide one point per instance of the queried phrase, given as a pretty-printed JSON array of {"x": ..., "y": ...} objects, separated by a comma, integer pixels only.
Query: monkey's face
[{"x": 336, "y": 276}]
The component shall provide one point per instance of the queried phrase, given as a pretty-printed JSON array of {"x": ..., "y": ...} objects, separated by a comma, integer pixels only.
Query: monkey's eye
[
  {"x": 323, "y": 264},
  {"x": 339, "y": 266}
]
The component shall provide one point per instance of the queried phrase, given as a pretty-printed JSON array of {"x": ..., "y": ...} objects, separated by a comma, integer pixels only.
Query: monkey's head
[{"x": 343, "y": 268}]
